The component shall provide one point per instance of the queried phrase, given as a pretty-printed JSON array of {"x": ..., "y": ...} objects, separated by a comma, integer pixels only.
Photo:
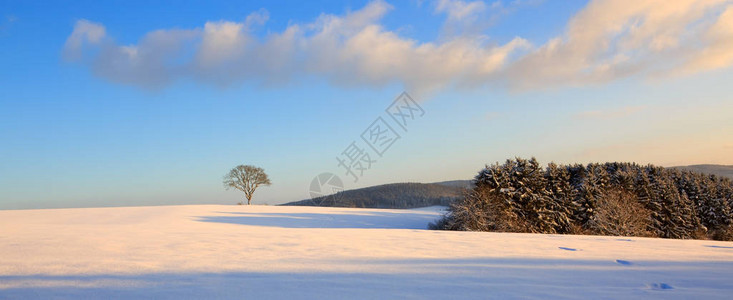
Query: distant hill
[
  {"x": 395, "y": 195},
  {"x": 467, "y": 184},
  {"x": 720, "y": 170}
]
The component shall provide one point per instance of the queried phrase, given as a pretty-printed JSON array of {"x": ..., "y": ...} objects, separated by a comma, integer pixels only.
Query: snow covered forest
[{"x": 602, "y": 199}]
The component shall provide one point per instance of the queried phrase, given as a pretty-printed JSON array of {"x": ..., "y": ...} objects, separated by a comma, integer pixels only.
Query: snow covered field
[{"x": 217, "y": 251}]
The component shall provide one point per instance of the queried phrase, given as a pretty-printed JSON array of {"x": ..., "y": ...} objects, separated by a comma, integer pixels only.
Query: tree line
[{"x": 606, "y": 199}]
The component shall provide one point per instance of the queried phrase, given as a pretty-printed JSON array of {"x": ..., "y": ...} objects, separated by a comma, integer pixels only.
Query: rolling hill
[
  {"x": 720, "y": 170},
  {"x": 395, "y": 195}
]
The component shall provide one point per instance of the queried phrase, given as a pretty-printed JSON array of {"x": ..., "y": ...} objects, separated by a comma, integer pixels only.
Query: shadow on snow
[
  {"x": 371, "y": 219},
  {"x": 400, "y": 278}
]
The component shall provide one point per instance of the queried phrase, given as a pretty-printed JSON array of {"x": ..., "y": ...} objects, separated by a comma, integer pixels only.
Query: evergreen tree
[
  {"x": 561, "y": 193},
  {"x": 609, "y": 198}
]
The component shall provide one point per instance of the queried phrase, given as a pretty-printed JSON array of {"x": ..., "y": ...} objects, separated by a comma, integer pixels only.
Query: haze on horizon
[{"x": 110, "y": 104}]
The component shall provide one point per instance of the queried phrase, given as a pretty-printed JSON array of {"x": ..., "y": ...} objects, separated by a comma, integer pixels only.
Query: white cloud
[
  {"x": 605, "y": 41},
  {"x": 463, "y": 18},
  {"x": 352, "y": 49},
  {"x": 611, "y": 39},
  {"x": 466, "y": 18},
  {"x": 158, "y": 59},
  {"x": 456, "y": 9},
  {"x": 257, "y": 18},
  {"x": 718, "y": 49},
  {"x": 84, "y": 32},
  {"x": 221, "y": 42}
]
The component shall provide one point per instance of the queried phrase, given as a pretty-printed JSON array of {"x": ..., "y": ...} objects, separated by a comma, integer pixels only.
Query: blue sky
[{"x": 138, "y": 103}]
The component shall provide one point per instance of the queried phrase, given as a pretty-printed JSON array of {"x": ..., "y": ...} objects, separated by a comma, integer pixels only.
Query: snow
[{"x": 273, "y": 252}]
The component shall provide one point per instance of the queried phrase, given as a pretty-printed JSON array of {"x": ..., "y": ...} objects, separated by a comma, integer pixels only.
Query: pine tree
[
  {"x": 673, "y": 214},
  {"x": 561, "y": 193}
]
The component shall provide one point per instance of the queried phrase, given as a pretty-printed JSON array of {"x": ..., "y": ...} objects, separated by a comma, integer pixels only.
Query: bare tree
[
  {"x": 620, "y": 213},
  {"x": 247, "y": 179}
]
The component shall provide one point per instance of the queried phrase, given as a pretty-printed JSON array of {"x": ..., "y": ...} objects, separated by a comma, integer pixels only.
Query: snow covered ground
[{"x": 252, "y": 252}]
